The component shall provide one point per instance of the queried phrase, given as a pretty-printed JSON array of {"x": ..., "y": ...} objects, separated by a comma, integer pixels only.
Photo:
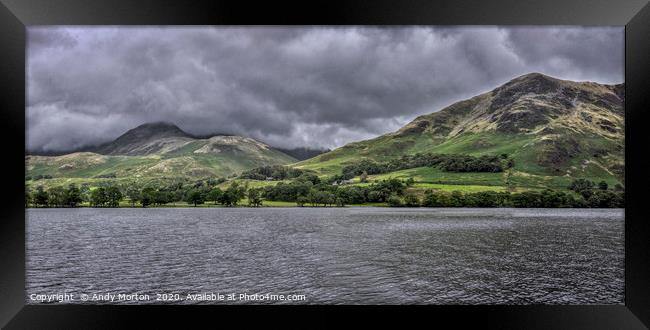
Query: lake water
[{"x": 328, "y": 255}]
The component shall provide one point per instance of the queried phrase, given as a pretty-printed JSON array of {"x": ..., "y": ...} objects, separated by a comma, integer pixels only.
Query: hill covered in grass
[
  {"x": 531, "y": 133},
  {"x": 155, "y": 151},
  {"x": 554, "y": 131}
]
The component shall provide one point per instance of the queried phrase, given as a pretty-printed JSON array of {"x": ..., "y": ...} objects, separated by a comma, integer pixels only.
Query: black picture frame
[{"x": 16, "y": 15}]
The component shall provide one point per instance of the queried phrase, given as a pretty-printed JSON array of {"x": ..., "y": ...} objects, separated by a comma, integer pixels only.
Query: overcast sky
[{"x": 286, "y": 86}]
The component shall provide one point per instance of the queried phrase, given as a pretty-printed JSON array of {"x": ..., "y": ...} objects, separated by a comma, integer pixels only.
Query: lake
[{"x": 353, "y": 255}]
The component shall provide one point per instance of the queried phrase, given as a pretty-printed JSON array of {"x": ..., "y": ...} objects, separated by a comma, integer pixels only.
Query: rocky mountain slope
[
  {"x": 157, "y": 150},
  {"x": 554, "y": 130},
  {"x": 550, "y": 127}
]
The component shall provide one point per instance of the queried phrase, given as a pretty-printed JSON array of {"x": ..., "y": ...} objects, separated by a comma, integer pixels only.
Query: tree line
[
  {"x": 309, "y": 190},
  {"x": 112, "y": 195},
  {"x": 274, "y": 172},
  {"x": 73, "y": 196},
  {"x": 445, "y": 162},
  {"x": 306, "y": 192},
  {"x": 396, "y": 193},
  {"x": 528, "y": 199}
]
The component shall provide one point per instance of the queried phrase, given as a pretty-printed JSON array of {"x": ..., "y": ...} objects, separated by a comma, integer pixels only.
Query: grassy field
[
  {"x": 461, "y": 188},
  {"x": 434, "y": 175},
  {"x": 527, "y": 173},
  {"x": 250, "y": 183},
  {"x": 388, "y": 147},
  {"x": 524, "y": 149},
  {"x": 185, "y": 163}
]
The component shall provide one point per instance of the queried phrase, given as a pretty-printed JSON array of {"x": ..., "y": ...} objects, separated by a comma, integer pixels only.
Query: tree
[
  {"x": 602, "y": 185},
  {"x": 340, "y": 202},
  {"x": 98, "y": 197},
  {"x": 214, "y": 195},
  {"x": 552, "y": 199},
  {"x": 195, "y": 197},
  {"x": 254, "y": 197},
  {"x": 410, "y": 182},
  {"x": 526, "y": 199},
  {"x": 301, "y": 201},
  {"x": 233, "y": 195},
  {"x": 57, "y": 196},
  {"x": 238, "y": 191},
  {"x": 313, "y": 197},
  {"x": 113, "y": 196},
  {"x": 287, "y": 192},
  {"x": 375, "y": 196},
  {"x": 40, "y": 197},
  {"x": 394, "y": 201},
  {"x": 457, "y": 199},
  {"x": 430, "y": 199},
  {"x": 393, "y": 186},
  {"x": 411, "y": 199},
  {"x": 73, "y": 196},
  {"x": 316, "y": 197},
  {"x": 578, "y": 202},
  {"x": 484, "y": 199},
  {"x": 133, "y": 194},
  {"x": 178, "y": 195},
  {"x": 327, "y": 198},
  {"x": 579, "y": 185},
  {"x": 309, "y": 177},
  {"x": 147, "y": 196},
  {"x": 605, "y": 199},
  {"x": 274, "y": 172},
  {"x": 84, "y": 191},
  {"x": 227, "y": 198},
  {"x": 353, "y": 194},
  {"x": 164, "y": 197},
  {"x": 433, "y": 198}
]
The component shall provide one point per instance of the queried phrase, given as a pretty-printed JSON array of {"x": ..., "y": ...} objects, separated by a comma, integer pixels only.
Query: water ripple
[{"x": 333, "y": 255}]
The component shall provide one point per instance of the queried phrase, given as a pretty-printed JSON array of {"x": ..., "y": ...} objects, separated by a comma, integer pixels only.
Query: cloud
[{"x": 288, "y": 86}]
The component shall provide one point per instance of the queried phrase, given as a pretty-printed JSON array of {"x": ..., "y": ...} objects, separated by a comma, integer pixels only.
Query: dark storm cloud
[{"x": 317, "y": 86}]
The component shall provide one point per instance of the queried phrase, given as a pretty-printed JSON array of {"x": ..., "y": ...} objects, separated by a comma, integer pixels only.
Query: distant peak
[
  {"x": 533, "y": 82},
  {"x": 532, "y": 75},
  {"x": 156, "y": 129},
  {"x": 535, "y": 76},
  {"x": 161, "y": 124}
]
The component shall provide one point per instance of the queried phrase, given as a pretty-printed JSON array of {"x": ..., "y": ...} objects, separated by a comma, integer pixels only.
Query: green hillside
[
  {"x": 554, "y": 130},
  {"x": 550, "y": 132},
  {"x": 154, "y": 152}
]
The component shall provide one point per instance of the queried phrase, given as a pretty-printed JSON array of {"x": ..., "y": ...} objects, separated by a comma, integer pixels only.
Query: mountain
[
  {"x": 156, "y": 151},
  {"x": 146, "y": 139},
  {"x": 555, "y": 130}
]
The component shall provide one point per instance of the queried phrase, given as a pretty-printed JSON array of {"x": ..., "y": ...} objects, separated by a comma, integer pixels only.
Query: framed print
[{"x": 464, "y": 157}]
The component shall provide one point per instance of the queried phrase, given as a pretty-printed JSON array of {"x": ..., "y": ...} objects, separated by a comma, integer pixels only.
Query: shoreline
[{"x": 326, "y": 207}]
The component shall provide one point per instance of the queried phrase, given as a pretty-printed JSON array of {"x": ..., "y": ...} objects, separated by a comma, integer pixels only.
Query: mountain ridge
[
  {"x": 554, "y": 130},
  {"x": 551, "y": 127},
  {"x": 165, "y": 129},
  {"x": 128, "y": 143},
  {"x": 157, "y": 150},
  {"x": 510, "y": 100}
]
